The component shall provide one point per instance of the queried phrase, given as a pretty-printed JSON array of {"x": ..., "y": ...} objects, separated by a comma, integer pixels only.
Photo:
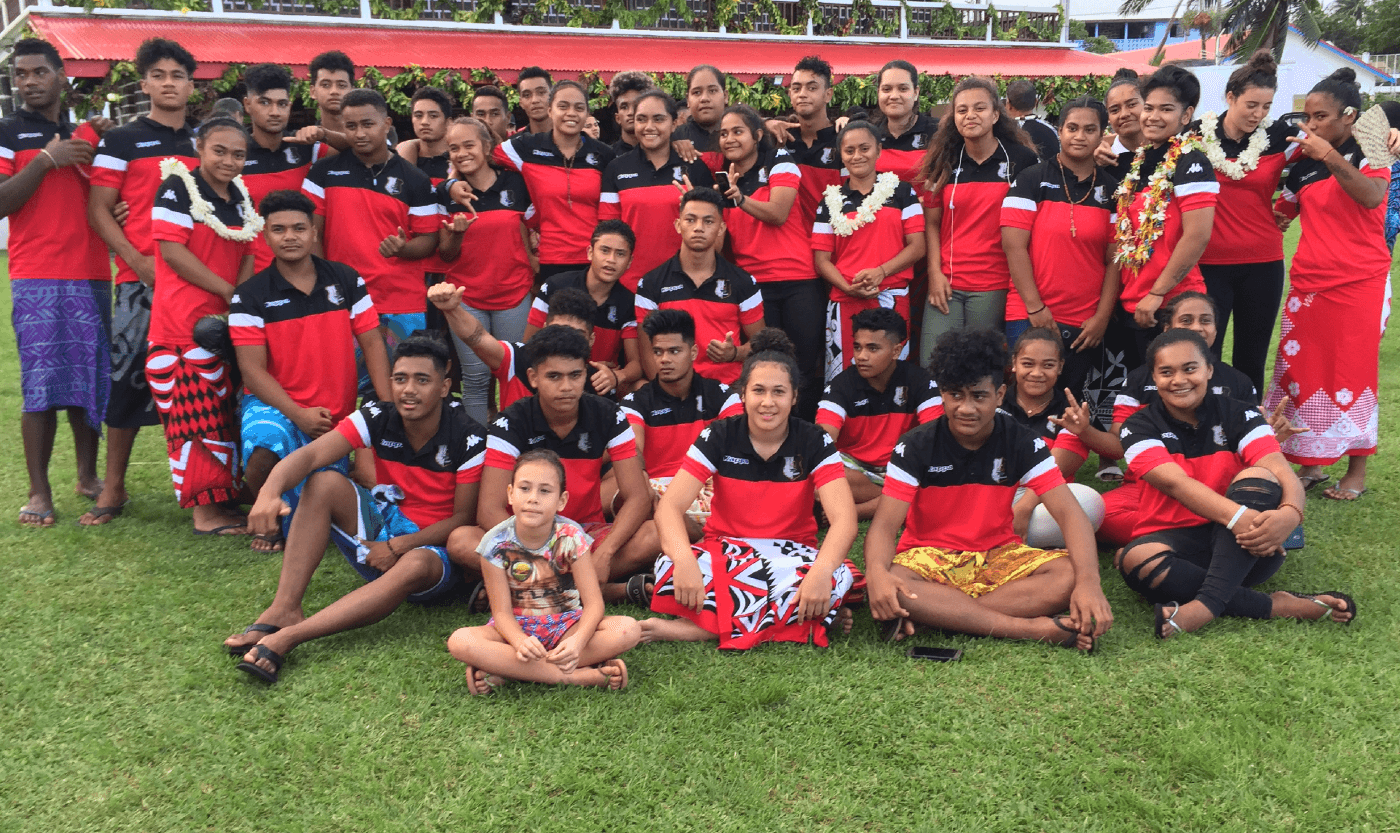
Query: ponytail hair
[
  {"x": 1261, "y": 71},
  {"x": 771, "y": 345}
]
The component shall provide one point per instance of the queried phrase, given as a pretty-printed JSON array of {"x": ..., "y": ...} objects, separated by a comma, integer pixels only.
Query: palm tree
[
  {"x": 1196, "y": 11},
  {"x": 1263, "y": 24}
]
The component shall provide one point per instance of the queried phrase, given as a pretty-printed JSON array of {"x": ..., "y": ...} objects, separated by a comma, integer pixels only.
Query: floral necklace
[
  {"x": 1248, "y": 161},
  {"x": 1133, "y": 247},
  {"x": 885, "y": 184},
  {"x": 203, "y": 212}
]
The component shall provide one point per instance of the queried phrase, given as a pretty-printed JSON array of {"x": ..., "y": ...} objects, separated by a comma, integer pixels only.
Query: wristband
[
  {"x": 449, "y": 182},
  {"x": 1043, "y": 307},
  {"x": 1236, "y": 519},
  {"x": 45, "y": 151}
]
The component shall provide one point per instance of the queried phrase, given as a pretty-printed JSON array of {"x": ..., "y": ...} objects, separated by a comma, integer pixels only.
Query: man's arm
[
  {"x": 252, "y": 363},
  {"x": 491, "y": 507},
  {"x": 16, "y": 190},
  {"x": 448, "y": 299},
  {"x": 636, "y": 507},
  {"x": 101, "y": 201},
  {"x": 1088, "y": 609},
  {"x": 376, "y": 362}
]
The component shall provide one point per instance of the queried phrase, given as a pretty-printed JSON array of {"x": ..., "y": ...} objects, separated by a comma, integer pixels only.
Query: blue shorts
[
  {"x": 377, "y": 520},
  {"x": 263, "y": 426},
  {"x": 395, "y": 326}
]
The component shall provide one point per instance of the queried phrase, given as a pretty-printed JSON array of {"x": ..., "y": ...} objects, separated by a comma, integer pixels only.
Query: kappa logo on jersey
[
  {"x": 660, "y": 411},
  {"x": 473, "y": 439},
  {"x": 333, "y": 293},
  {"x": 621, "y": 417},
  {"x": 148, "y": 144},
  {"x": 705, "y": 435},
  {"x": 672, "y": 288},
  {"x": 901, "y": 395},
  {"x": 998, "y": 470},
  {"x": 291, "y": 155},
  {"x": 281, "y": 303},
  {"x": 373, "y": 409},
  {"x": 1195, "y": 168},
  {"x": 628, "y": 176},
  {"x": 1168, "y": 435},
  {"x": 393, "y": 185},
  {"x": 584, "y": 444},
  {"x": 391, "y": 444},
  {"x": 1039, "y": 443},
  {"x": 29, "y": 136},
  {"x": 1217, "y": 433},
  {"x": 337, "y": 173},
  {"x": 899, "y": 449},
  {"x": 546, "y": 154},
  {"x": 1251, "y": 414},
  {"x": 738, "y": 461},
  {"x": 861, "y": 403},
  {"x": 826, "y": 156},
  {"x": 502, "y": 423},
  {"x": 939, "y": 469},
  {"x": 792, "y": 468},
  {"x": 507, "y": 199},
  {"x": 722, "y": 288},
  {"x": 168, "y": 195},
  {"x": 1050, "y": 186},
  {"x": 441, "y": 457}
]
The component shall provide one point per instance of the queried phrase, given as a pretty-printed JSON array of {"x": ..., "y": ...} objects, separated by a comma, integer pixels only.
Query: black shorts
[{"x": 130, "y": 404}]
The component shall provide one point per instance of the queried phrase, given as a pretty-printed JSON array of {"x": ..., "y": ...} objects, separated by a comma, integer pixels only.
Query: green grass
[{"x": 120, "y": 711}]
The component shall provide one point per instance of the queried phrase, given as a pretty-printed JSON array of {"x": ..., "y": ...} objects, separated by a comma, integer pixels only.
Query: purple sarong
[{"x": 61, "y": 327}]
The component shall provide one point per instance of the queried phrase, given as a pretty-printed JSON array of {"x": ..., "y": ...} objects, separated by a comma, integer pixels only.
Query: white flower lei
[
  {"x": 203, "y": 212},
  {"x": 885, "y": 184},
  {"x": 1248, "y": 161}
]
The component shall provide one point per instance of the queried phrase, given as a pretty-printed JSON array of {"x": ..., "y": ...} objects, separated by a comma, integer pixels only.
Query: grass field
[{"x": 119, "y": 710}]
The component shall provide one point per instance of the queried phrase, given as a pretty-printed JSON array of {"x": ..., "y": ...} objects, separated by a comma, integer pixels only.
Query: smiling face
[
  {"x": 429, "y": 122},
  {"x": 418, "y": 387},
  {"x": 168, "y": 84},
  {"x": 221, "y": 154},
  {"x": 1124, "y": 104},
  {"x": 269, "y": 110},
  {"x": 535, "y": 495},
  {"x": 608, "y": 257},
  {"x": 290, "y": 235},
  {"x": 1037, "y": 367},
  {"x": 1248, "y": 109},
  {"x": 897, "y": 94},
  {"x": 1182, "y": 375},
  {"x": 974, "y": 113},
  {"x": 768, "y": 397},
  {"x": 1196, "y": 315},
  {"x": 706, "y": 99},
  {"x": 466, "y": 149},
  {"x": 1163, "y": 116},
  {"x": 859, "y": 150},
  {"x": 568, "y": 112},
  {"x": 674, "y": 357},
  {"x": 971, "y": 410},
  {"x": 37, "y": 82},
  {"x": 1080, "y": 133},
  {"x": 329, "y": 87},
  {"x": 653, "y": 124},
  {"x": 809, "y": 93},
  {"x": 558, "y": 382},
  {"x": 737, "y": 141}
]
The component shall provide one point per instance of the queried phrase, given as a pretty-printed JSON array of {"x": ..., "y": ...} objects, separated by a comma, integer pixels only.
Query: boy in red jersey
[
  {"x": 872, "y": 403},
  {"x": 950, "y": 484}
]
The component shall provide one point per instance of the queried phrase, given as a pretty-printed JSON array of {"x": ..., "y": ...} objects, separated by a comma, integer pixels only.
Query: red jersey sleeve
[
  {"x": 539, "y": 309},
  {"x": 470, "y": 470},
  {"x": 507, "y": 156},
  {"x": 1068, "y": 441},
  {"x": 785, "y": 174},
  {"x": 901, "y": 478},
  {"x": 1142, "y": 448},
  {"x": 1019, "y": 206},
  {"x": 911, "y": 211},
  {"x": 1194, "y": 185},
  {"x": 622, "y": 445},
  {"x": 931, "y": 407},
  {"x": 363, "y": 316},
  {"x": 750, "y": 306},
  {"x": 699, "y": 460},
  {"x": 503, "y": 444},
  {"x": 355, "y": 429},
  {"x": 424, "y": 213},
  {"x": 108, "y": 166},
  {"x": 170, "y": 215},
  {"x": 609, "y": 202},
  {"x": 314, "y": 186},
  {"x": 830, "y": 468},
  {"x": 1257, "y": 439},
  {"x": 823, "y": 238}
]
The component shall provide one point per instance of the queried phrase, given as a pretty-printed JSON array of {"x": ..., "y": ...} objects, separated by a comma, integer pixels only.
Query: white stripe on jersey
[
  {"x": 1186, "y": 189},
  {"x": 699, "y": 456},
  {"x": 502, "y": 445},
  {"x": 243, "y": 319},
  {"x": 508, "y": 148},
  {"x": 175, "y": 218},
  {"x": 357, "y": 419},
  {"x": 313, "y": 189},
  {"x": 1131, "y": 452},
  {"x": 1043, "y": 467},
  {"x": 111, "y": 163},
  {"x": 1019, "y": 203}
]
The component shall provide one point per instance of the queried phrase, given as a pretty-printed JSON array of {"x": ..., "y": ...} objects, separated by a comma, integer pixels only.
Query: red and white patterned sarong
[
  {"x": 194, "y": 398},
  {"x": 1328, "y": 364}
]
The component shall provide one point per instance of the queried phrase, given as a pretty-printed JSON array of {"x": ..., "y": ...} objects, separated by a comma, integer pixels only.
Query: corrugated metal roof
[{"x": 88, "y": 43}]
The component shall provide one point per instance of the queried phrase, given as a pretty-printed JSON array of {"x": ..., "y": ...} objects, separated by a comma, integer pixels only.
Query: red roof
[
  {"x": 89, "y": 43},
  {"x": 1185, "y": 51}
]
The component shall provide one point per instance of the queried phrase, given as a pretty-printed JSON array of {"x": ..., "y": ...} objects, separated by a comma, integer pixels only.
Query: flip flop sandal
[
  {"x": 1310, "y": 483},
  {"x": 274, "y": 540},
  {"x": 1161, "y": 618},
  {"x": 220, "y": 530},
  {"x": 637, "y": 589},
  {"x": 1336, "y": 594},
  {"x": 237, "y": 651},
  {"x": 477, "y": 602},
  {"x": 486, "y": 685},
  {"x": 100, "y": 512},
  {"x": 891, "y": 629},
  {"x": 1073, "y": 640},
  {"x": 1110, "y": 474},
  {"x": 258, "y": 671},
  {"x": 42, "y": 516},
  {"x": 608, "y": 686},
  {"x": 1334, "y": 492}
]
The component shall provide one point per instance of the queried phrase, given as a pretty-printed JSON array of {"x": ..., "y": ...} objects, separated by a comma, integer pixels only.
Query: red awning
[{"x": 89, "y": 43}]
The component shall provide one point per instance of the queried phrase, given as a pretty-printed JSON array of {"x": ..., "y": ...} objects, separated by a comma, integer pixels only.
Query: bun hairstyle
[
  {"x": 1123, "y": 76},
  {"x": 1342, "y": 86},
  {"x": 1180, "y": 82},
  {"x": 771, "y": 345},
  {"x": 1261, "y": 71}
]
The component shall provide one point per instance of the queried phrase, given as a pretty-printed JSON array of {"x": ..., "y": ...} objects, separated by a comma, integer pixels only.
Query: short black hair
[
  {"x": 881, "y": 320},
  {"x": 618, "y": 227},
  {"x": 632, "y": 81},
  {"x": 816, "y": 66},
  {"x": 231, "y": 107},
  {"x": 572, "y": 302},
  {"x": 1021, "y": 95},
  {"x": 670, "y": 321},
  {"x": 38, "y": 46},
  {"x": 287, "y": 200},
  {"x": 154, "y": 50},
  {"x": 706, "y": 195},
  {"x": 1039, "y": 334},
  {"x": 259, "y": 78},
  {"x": 332, "y": 61},
  {"x": 672, "y": 108},
  {"x": 365, "y": 98},
  {"x": 962, "y": 358},
  {"x": 220, "y": 121},
  {"x": 533, "y": 72},
  {"x": 556, "y": 340},
  {"x": 422, "y": 343},
  {"x": 436, "y": 96},
  {"x": 542, "y": 455},
  {"x": 1182, "y": 83},
  {"x": 1179, "y": 336},
  {"x": 490, "y": 91},
  {"x": 1086, "y": 102}
]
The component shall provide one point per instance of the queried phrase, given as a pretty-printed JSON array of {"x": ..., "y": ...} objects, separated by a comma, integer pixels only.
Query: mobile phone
[
  {"x": 935, "y": 654},
  {"x": 722, "y": 185}
]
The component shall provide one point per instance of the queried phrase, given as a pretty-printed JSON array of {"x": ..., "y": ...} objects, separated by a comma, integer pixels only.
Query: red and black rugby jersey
[
  {"x": 869, "y": 422},
  {"x": 820, "y": 164},
  {"x": 959, "y": 499},
  {"x": 39, "y": 246},
  {"x": 723, "y": 303},
  {"x": 1068, "y": 268},
  {"x": 873, "y": 244},
  {"x": 1043, "y": 135},
  {"x": 602, "y": 433},
  {"x": 904, "y": 153},
  {"x": 565, "y": 191},
  {"x": 668, "y": 426},
  {"x": 362, "y": 206},
  {"x": 706, "y": 143},
  {"x": 1244, "y": 230},
  {"x": 128, "y": 159},
  {"x": 1120, "y": 169},
  {"x": 511, "y": 376},
  {"x": 294, "y": 326},
  {"x": 438, "y": 169},
  {"x": 647, "y": 200},
  {"x": 427, "y": 479},
  {"x": 1228, "y": 437},
  {"x": 1040, "y": 424},
  {"x": 615, "y": 320},
  {"x": 970, "y": 232},
  {"x": 758, "y": 498},
  {"x": 177, "y": 304},
  {"x": 770, "y": 253},
  {"x": 1194, "y": 187},
  {"x": 1336, "y": 226},
  {"x": 282, "y": 168},
  {"x": 501, "y": 280}
]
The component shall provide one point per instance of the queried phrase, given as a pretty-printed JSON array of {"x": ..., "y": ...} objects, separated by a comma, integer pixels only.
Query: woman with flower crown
[
  {"x": 1243, "y": 264},
  {"x": 1328, "y": 361},
  {"x": 204, "y": 223},
  {"x": 867, "y": 237},
  {"x": 1165, "y": 206}
]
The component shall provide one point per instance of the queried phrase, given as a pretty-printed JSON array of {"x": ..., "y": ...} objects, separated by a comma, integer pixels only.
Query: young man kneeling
[
  {"x": 428, "y": 457},
  {"x": 950, "y": 484}
]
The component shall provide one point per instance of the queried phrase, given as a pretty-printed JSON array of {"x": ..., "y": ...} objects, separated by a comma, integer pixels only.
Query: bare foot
[
  {"x": 267, "y": 543},
  {"x": 90, "y": 489},
  {"x": 1066, "y": 636},
  {"x": 215, "y": 520},
  {"x": 614, "y": 673},
  {"x": 1189, "y": 617},
  {"x": 479, "y": 682},
  {"x": 843, "y": 621}
]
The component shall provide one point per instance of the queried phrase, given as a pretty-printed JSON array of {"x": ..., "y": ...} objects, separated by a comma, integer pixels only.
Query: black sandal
[
  {"x": 258, "y": 671},
  {"x": 237, "y": 651},
  {"x": 1336, "y": 594},
  {"x": 477, "y": 600},
  {"x": 637, "y": 592},
  {"x": 1073, "y": 640},
  {"x": 891, "y": 629}
]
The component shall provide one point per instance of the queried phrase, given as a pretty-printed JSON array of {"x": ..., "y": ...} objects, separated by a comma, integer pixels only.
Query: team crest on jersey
[
  {"x": 507, "y": 199},
  {"x": 1098, "y": 193},
  {"x": 792, "y": 468},
  {"x": 1002, "y": 170},
  {"x": 441, "y": 457},
  {"x": 612, "y": 315},
  {"x": 901, "y": 395},
  {"x": 722, "y": 288},
  {"x": 584, "y": 444},
  {"x": 762, "y": 176},
  {"x": 1217, "y": 433},
  {"x": 998, "y": 470},
  {"x": 826, "y": 156},
  {"x": 591, "y": 158},
  {"x": 291, "y": 155},
  {"x": 918, "y": 141},
  {"x": 393, "y": 185},
  {"x": 678, "y": 173},
  {"x": 333, "y": 293}
]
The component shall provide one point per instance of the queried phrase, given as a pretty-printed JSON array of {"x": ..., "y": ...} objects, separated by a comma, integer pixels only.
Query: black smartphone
[
  {"x": 722, "y": 185},
  {"x": 935, "y": 654}
]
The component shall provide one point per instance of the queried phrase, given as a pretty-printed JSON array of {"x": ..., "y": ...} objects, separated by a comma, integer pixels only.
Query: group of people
[{"x": 576, "y": 374}]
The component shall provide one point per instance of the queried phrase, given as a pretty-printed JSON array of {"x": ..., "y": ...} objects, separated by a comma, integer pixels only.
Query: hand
[
  {"x": 64, "y": 152},
  {"x": 309, "y": 135},
  {"x": 145, "y": 268},
  {"x": 1264, "y": 533},
  {"x": 1392, "y": 142},
  {"x": 1021, "y": 512},
  {"x": 689, "y": 585},
  {"x": 565, "y": 654},
  {"x": 1283, "y": 221},
  {"x": 1076, "y": 418},
  {"x": 1103, "y": 154},
  {"x": 462, "y": 193},
  {"x": 721, "y": 352},
  {"x": 814, "y": 595},
  {"x": 1313, "y": 147},
  {"x": 446, "y": 296},
  {"x": 460, "y": 222},
  {"x": 1044, "y": 318},
  {"x": 777, "y": 130},
  {"x": 121, "y": 212},
  {"x": 1090, "y": 335},
  {"x": 314, "y": 421},
  {"x": 867, "y": 280},
  {"x": 684, "y": 185},
  {"x": 1089, "y": 612},
  {"x": 380, "y": 557},
  {"x": 734, "y": 194},
  {"x": 685, "y": 149},
  {"x": 883, "y": 590},
  {"x": 391, "y": 246},
  {"x": 1146, "y": 314},
  {"x": 1283, "y": 429},
  {"x": 265, "y": 518},
  {"x": 841, "y": 122},
  {"x": 528, "y": 648},
  {"x": 940, "y": 291},
  {"x": 604, "y": 379}
]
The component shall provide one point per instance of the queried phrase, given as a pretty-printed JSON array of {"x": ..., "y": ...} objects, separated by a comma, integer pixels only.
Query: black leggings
[
  {"x": 1251, "y": 292},
  {"x": 798, "y": 308},
  {"x": 1205, "y": 563}
]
